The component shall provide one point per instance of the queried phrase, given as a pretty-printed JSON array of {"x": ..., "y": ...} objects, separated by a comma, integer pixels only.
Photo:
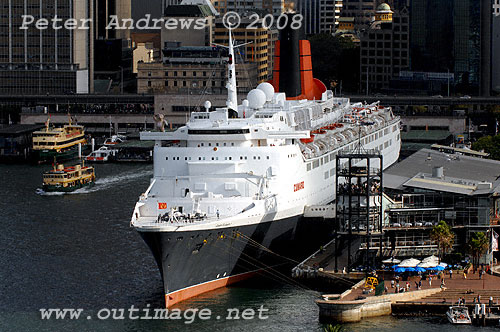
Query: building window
[{"x": 149, "y": 83}]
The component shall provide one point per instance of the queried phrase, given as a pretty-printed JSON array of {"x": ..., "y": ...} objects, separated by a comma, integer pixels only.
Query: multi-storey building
[
  {"x": 463, "y": 31},
  {"x": 361, "y": 10},
  {"x": 258, "y": 48},
  {"x": 193, "y": 70},
  {"x": 320, "y": 16},
  {"x": 275, "y": 7},
  {"x": 384, "y": 48},
  {"x": 41, "y": 61},
  {"x": 495, "y": 47}
]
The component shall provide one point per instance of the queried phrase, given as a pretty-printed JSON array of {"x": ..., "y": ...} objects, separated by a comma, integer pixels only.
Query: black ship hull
[{"x": 195, "y": 262}]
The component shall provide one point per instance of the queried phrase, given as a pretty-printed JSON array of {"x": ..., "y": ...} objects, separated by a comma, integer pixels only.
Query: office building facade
[
  {"x": 384, "y": 48},
  {"x": 45, "y": 61}
]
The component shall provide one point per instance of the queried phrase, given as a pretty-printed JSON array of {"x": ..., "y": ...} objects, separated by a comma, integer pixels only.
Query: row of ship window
[
  {"x": 216, "y": 158},
  {"x": 216, "y": 144}
]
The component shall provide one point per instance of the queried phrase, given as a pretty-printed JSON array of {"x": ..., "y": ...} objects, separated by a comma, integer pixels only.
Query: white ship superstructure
[
  {"x": 230, "y": 187},
  {"x": 270, "y": 163}
]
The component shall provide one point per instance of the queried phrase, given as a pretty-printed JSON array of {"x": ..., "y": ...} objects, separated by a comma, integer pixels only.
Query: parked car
[
  {"x": 396, "y": 225},
  {"x": 428, "y": 224},
  {"x": 418, "y": 224},
  {"x": 407, "y": 224}
]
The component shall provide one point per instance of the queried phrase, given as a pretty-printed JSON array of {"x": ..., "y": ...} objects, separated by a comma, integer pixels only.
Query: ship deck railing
[{"x": 152, "y": 222}]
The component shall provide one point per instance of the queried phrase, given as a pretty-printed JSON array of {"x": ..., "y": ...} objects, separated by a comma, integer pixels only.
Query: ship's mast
[{"x": 232, "y": 92}]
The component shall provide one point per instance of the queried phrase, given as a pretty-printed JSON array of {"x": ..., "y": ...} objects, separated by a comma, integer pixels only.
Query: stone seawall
[{"x": 353, "y": 311}]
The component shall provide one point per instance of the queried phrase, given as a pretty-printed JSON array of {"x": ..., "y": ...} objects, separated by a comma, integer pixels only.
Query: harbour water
[{"x": 78, "y": 251}]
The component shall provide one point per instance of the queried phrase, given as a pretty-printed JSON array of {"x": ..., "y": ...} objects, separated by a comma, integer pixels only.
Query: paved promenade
[{"x": 455, "y": 287}]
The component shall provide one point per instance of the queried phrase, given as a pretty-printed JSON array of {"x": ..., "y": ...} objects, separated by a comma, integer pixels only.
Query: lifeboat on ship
[{"x": 307, "y": 140}]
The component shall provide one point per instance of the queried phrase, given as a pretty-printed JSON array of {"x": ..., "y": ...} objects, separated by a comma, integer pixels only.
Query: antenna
[{"x": 232, "y": 91}]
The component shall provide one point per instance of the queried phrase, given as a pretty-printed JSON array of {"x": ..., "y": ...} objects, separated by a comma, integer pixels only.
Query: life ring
[{"x": 461, "y": 317}]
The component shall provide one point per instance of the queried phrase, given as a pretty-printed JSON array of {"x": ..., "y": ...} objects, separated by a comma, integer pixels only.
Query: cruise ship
[{"x": 230, "y": 188}]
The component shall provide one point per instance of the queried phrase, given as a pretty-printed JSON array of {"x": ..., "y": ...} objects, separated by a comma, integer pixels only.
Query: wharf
[{"x": 356, "y": 304}]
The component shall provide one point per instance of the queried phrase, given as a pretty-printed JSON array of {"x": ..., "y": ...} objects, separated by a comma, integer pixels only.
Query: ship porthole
[
  {"x": 218, "y": 276},
  {"x": 225, "y": 273}
]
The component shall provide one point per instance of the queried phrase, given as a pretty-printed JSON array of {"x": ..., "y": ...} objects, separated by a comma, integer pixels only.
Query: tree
[
  {"x": 489, "y": 144},
  {"x": 477, "y": 246},
  {"x": 444, "y": 236},
  {"x": 332, "y": 328},
  {"x": 335, "y": 61}
]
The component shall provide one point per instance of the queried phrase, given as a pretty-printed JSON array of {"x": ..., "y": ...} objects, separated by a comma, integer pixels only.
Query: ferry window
[
  {"x": 202, "y": 144},
  {"x": 381, "y": 147},
  {"x": 332, "y": 172},
  {"x": 216, "y": 144},
  {"x": 209, "y": 144},
  {"x": 186, "y": 158},
  {"x": 386, "y": 131},
  {"x": 386, "y": 144},
  {"x": 258, "y": 157},
  {"x": 267, "y": 157},
  {"x": 166, "y": 158},
  {"x": 199, "y": 158},
  {"x": 230, "y": 158},
  {"x": 246, "y": 158},
  {"x": 224, "y": 144},
  {"x": 316, "y": 163},
  {"x": 241, "y": 157},
  {"x": 326, "y": 174},
  {"x": 309, "y": 166},
  {"x": 232, "y": 144},
  {"x": 254, "y": 157},
  {"x": 321, "y": 161}
]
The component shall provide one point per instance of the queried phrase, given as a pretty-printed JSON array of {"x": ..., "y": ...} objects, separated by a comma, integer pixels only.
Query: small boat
[
  {"x": 458, "y": 315},
  {"x": 67, "y": 179},
  {"x": 103, "y": 154},
  {"x": 115, "y": 139}
]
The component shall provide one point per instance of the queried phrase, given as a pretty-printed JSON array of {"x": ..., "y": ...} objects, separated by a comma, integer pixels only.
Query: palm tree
[
  {"x": 477, "y": 246},
  {"x": 443, "y": 235},
  {"x": 332, "y": 328}
]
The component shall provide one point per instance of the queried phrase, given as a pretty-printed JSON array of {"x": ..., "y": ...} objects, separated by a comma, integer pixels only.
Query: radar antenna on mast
[{"x": 232, "y": 90}]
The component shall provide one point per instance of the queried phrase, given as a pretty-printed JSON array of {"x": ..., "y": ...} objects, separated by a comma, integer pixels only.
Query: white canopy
[
  {"x": 428, "y": 264},
  {"x": 391, "y": 260},
  {"x": 430, "y": 259},
  {"x": 411, "y": 262}
]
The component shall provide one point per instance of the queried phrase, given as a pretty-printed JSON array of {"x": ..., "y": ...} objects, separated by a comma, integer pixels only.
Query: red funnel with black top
[{"x": 292, "y": 72}]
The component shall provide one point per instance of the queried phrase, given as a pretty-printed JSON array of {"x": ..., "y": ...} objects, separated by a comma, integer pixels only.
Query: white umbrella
[
  {"x": 391, "y": 261},
  {"x": 411, "y": 262},
  {"x": 430, "y": 258},
  {"x": 426, "y": 265},
  {"x": 443, "y": 264}
]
